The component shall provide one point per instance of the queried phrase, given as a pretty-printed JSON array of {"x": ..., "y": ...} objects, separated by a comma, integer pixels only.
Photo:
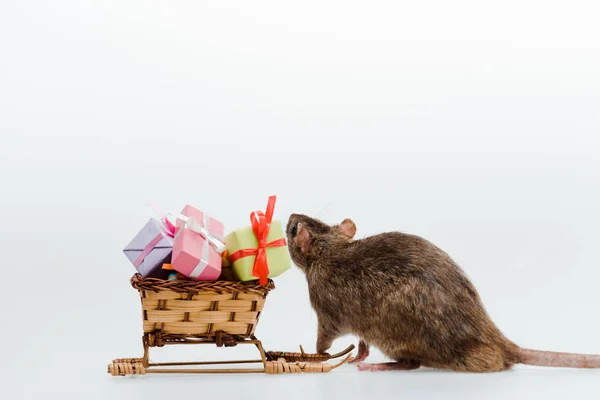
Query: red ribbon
[{"x": 261, "y": 225}]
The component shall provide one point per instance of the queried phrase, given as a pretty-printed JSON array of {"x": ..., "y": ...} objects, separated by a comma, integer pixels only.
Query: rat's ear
[
  {"x": 302, "y": 238},
  {"x": 348, "y": 228}
]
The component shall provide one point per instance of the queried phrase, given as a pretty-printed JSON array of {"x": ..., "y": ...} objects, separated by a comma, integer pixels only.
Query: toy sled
[{"x": 221, "y": 313}]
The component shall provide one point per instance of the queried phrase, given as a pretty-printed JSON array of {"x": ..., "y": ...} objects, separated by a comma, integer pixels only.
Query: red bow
[{"x": 261, "y": 225}]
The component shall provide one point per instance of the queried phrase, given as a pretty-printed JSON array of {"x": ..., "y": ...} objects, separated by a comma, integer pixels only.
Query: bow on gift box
[
  {"x": 261, "y": 225},
  {"x": 212, "y": 240},
  {"x": 168, "y": 230}
]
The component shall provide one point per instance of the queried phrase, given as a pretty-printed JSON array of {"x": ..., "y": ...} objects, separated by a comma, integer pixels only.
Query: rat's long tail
[{"x": 555, "y": 359}]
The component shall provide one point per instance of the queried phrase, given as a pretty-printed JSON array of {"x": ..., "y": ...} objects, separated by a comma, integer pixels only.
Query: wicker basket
[
  {"x": 180, "y": 310},
  {"x": 224, "y": 313}
]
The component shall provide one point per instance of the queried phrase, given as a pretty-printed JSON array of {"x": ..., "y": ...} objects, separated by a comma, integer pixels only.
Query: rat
[{"x": 402, "y": 294}]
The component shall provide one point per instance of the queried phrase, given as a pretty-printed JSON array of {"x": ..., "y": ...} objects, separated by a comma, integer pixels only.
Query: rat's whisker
[{"x": 323, "y": 209}]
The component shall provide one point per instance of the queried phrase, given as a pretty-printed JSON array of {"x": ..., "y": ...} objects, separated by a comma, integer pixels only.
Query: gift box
[
  {"x": 198, "y": 245},
  {"x": 226, "y": 270},
  {"x": 150, "y": 248},
  {"x": 259, "y": 251}
]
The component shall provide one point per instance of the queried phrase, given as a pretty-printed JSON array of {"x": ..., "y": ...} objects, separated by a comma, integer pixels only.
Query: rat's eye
[{"x": 294, "y": 230}]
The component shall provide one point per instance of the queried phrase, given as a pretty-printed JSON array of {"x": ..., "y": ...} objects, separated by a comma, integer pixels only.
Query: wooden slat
[
  {"x": 235, "y": 328},
  {"x": 193, "y": 328},
  {"x": 249, "y": 296},
  {"x": 246, "y": 317},
  {"x": 209, "y": 317},
  {"x": 183, "y": 305},
  {"x": 235, "y": 305},
  {"x": 204, "y": 317},
  {"x": 213, "y": 297},
  {"x": 164, "y": 316},
  {"x": 185, "y": 328}
]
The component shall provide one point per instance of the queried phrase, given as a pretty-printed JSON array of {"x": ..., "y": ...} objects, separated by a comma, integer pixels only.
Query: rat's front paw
[{"x": 323, "y": 345}]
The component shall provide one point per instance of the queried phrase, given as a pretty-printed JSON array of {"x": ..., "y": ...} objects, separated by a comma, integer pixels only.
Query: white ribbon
[{"x": 216, "y": 241}]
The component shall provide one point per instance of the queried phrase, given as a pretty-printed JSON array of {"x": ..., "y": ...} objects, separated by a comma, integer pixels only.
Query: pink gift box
[{"x": 193, "y": 255}]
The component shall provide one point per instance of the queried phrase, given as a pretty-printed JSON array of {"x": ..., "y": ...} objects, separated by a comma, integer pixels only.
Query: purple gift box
[{"x": 150, "y": 249}]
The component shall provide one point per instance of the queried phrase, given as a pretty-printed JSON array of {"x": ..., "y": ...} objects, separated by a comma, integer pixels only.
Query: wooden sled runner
[{"x": 221, "y": 313}]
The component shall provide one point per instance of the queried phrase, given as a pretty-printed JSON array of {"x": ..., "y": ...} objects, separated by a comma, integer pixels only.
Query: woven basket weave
[{"x": 191, "y": 309}]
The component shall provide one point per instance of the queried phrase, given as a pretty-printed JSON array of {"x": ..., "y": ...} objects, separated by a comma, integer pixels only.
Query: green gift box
[{"x": 278, "y": 257}]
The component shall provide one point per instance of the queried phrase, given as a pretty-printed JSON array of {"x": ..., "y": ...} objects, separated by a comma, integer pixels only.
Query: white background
[{"x": 473, "y": 124}]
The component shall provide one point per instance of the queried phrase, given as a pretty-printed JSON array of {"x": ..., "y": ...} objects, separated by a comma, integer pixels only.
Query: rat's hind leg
[
  {"x": 402, "y": 364},
  {"x": 481, "y": 358},
  {"x": 363, "y": 352}
]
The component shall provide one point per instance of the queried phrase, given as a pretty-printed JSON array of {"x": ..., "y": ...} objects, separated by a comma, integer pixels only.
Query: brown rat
[{"x": 408, "y": 298}]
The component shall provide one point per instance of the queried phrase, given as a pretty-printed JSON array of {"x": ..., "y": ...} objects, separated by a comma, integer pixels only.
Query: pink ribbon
[{"x": 170, "y": 230}]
